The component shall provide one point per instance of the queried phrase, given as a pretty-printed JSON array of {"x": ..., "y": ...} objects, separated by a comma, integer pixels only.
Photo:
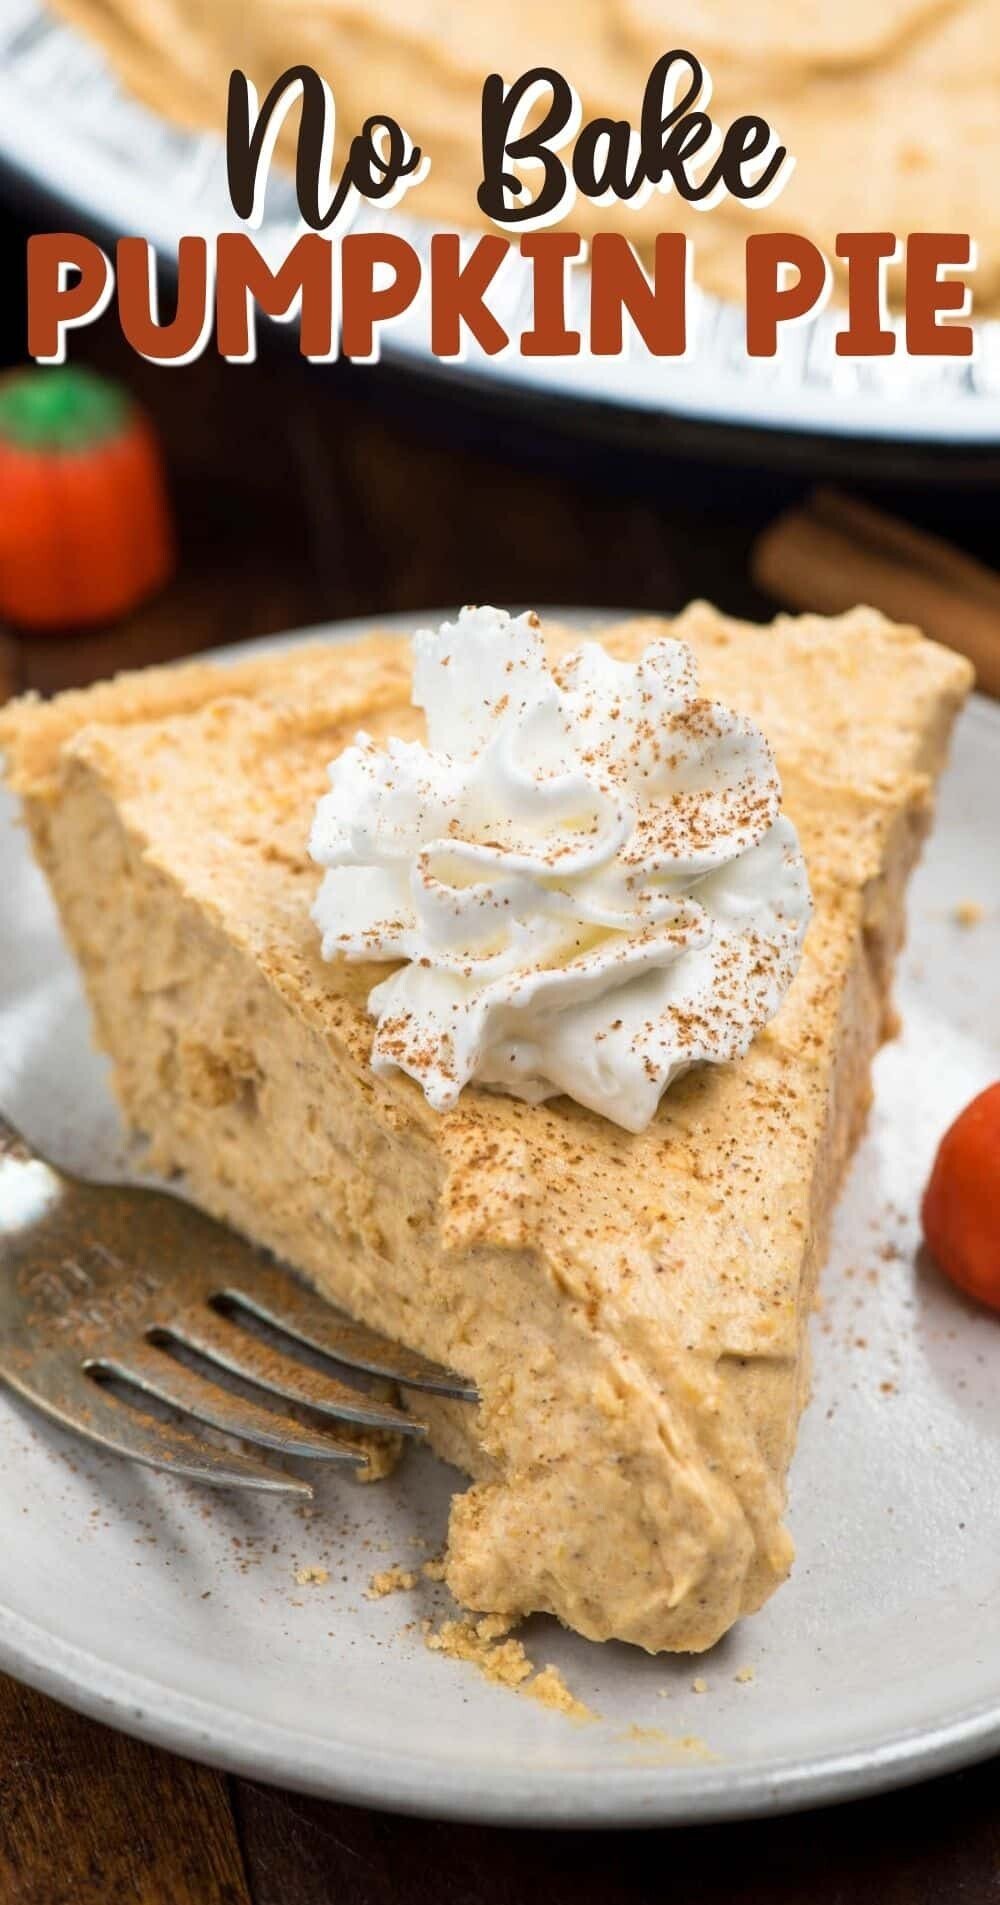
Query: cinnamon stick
[{"x": 835, "y": 552}]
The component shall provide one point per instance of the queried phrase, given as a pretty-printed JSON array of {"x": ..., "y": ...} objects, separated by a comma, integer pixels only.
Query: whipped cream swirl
[{"x": 585, "y": 872}]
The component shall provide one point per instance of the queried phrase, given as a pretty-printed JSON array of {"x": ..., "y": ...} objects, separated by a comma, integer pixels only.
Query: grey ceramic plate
[{"x": 176, "y": 1614}]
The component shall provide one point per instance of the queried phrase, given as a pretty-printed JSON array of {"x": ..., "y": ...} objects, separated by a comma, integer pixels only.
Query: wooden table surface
[{"x": 332, "y": 497}]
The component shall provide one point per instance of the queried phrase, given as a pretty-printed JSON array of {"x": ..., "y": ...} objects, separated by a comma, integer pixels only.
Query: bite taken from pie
[{"x": 522, "y": 991}]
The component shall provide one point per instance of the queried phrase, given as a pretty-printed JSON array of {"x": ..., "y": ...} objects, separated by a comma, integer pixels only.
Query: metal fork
[{"x": 101, "y": 1285}]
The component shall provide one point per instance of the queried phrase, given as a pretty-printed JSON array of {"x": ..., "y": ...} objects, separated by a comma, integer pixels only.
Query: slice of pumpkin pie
[{"x": 539, "y": 1070}]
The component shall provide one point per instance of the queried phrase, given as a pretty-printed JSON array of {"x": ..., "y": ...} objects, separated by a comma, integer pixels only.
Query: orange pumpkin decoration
[
  {"x": 961, "y": 1208},
  {"x": 85, "y": 527}
]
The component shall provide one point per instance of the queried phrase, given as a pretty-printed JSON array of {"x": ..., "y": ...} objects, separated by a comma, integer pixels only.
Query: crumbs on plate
[
  {"x": 485, "y": 1641},
  {"x": 396, "y": 1580}
]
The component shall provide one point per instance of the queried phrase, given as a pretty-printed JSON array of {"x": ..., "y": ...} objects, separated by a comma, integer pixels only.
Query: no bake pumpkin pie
[{"x": 632, "y": 1306}]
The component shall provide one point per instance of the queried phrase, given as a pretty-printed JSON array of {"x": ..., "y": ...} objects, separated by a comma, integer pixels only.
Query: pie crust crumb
[
  {"x": 396, "y": 1580},
  {"x": 485, "y": 1641}
]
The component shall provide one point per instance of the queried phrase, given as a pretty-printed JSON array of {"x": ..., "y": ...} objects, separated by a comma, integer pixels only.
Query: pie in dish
[
  {"x": 631, "y": 1305},
  {"x": 889, "y": 110}
]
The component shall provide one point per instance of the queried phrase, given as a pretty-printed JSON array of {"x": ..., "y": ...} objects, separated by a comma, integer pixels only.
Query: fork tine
[
  {"x": 274, "y": 1297},
  {"x": 221, "y": 1340},
  {"x": 158, "y": 1374},
  {"x": 75, "y": 1400}
]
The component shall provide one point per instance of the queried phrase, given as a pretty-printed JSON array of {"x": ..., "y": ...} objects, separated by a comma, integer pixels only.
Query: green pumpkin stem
[{"x": 60, "y": 408}]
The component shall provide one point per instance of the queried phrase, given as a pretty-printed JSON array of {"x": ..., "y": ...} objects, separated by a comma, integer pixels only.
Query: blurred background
[{"x": 306, "y": 493}]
